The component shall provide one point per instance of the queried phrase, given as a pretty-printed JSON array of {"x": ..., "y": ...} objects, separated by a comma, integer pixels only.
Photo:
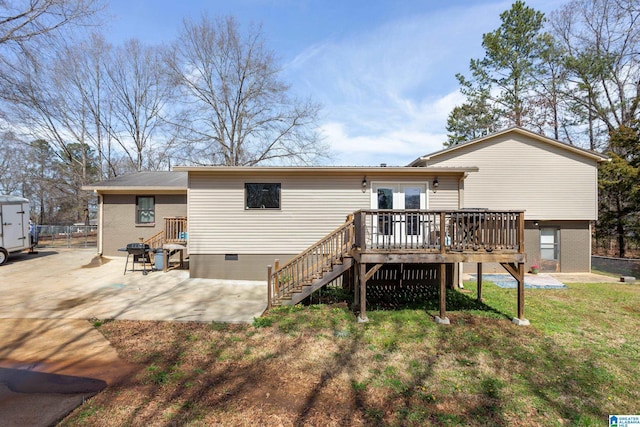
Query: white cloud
[
  {"x": 387, "y": 93},
  {"x": 398, "y": 143}
]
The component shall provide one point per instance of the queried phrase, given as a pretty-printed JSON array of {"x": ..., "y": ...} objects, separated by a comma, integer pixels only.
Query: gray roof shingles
[{"x": 166, "y": 180}]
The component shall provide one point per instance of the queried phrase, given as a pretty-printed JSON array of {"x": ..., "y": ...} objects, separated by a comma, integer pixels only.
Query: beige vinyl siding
[
  {"x": 446, "y": 196},
  {"x": 548, "y": 182},
  {"x": 311, "y": 206}
]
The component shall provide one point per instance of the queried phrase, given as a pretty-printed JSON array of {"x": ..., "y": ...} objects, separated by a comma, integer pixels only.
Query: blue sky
[{"x": 384, "y": 71}]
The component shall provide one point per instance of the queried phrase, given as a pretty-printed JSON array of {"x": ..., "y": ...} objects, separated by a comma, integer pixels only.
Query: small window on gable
[
  {"x": 262, "y": 196},
  {"x": 145, "y": 210}
]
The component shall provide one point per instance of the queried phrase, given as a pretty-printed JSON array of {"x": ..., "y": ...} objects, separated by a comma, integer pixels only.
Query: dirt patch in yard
[{"x": 229, "y": 375}]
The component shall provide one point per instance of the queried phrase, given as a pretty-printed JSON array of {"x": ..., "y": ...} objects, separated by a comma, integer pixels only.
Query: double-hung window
[{"x": 145, "y": 210}]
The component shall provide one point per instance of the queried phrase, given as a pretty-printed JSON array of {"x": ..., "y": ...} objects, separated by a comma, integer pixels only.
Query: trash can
[{"x": 159, "y": 259}]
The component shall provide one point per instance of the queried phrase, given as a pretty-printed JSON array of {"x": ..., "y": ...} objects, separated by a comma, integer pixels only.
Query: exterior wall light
[
  {"x": 364, "y": 184},
  {"x": 436, "y": 184}
]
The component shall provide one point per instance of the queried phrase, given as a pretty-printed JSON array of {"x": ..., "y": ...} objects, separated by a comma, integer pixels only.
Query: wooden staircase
[
  {"x": 175, "y": 232},
  {"x": 156, "y": 241},
  {"x": 378, "y": 244},
  {"x": 315, "y": 267}
]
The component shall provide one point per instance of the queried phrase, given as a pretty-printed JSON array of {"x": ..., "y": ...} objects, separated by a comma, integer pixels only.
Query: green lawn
[{"x": 578, "y": 362}]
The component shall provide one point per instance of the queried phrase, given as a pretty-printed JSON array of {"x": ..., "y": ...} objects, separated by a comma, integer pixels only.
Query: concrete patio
[{"x": 76, "y": 284}]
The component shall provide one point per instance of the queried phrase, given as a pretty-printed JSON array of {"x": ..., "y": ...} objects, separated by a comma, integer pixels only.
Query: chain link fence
[{"x": 67, "y": 236}]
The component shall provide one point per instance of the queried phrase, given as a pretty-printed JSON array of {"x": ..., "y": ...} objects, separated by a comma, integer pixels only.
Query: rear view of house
[
  {"x": 510, "y": 200},
  {"x": 240, "y": 219}
]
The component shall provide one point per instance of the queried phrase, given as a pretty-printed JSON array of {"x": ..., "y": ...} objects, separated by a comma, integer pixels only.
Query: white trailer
[{"x": 14, "y": 226}]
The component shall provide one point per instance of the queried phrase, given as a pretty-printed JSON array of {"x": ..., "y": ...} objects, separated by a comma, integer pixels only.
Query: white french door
[
  {"x": 394, "y": 228},
  {"x": 398, "y": 196}
]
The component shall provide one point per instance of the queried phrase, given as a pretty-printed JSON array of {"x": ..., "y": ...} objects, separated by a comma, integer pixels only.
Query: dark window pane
[
  {"x": 385, "y": 220},
  {"x": 262, "y": 196},
  {"x": 412, "y": 198},
  {"x": 385, "y": 198}
]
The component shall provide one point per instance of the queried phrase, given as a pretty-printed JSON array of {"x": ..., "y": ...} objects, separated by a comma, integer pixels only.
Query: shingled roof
[{"x": 147, "y": 181}]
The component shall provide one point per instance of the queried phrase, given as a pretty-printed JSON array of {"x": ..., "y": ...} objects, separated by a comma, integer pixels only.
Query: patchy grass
[{"x": 577, "y": 363}]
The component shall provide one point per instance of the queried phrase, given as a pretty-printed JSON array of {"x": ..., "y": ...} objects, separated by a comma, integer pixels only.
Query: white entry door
[{"x": 393, "y": 229}]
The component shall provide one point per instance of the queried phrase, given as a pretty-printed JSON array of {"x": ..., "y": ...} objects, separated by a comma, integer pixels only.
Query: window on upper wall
[
  {"x": 145, "y": 209},
  {"x": 262, "y": 196}
]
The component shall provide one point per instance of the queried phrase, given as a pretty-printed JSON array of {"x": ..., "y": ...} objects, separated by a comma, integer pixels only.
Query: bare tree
[
  {"x": 237, "y": 109},
  {"x": 601, "y": 40},
  {"x": 81, "y": 69},
  {"x": 549, "y": 111},
  {"x": 13, "y": 164},
  {"x": 23, "y": 20},
  {"x": 48, "y": 102},
  {"x": 29, "y": 30},
  {"x": 142, "y": 92}
]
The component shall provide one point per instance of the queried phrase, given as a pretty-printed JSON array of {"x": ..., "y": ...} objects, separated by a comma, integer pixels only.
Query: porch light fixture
[
  {"x": 435, "y": 184},
  {"x": 364, "y": 184}
]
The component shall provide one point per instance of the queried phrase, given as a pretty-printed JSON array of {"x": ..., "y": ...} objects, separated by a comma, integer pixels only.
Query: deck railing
[
  {"x": 175, "y": 229},
  {"x": 439, "y": 231},
  {"x": 312, "y": 263}
]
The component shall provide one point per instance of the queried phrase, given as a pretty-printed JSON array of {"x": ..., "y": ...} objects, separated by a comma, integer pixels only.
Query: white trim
[{"x": 100, "y": 223}]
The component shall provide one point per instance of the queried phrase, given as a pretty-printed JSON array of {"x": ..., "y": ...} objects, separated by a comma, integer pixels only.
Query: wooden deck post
[
  {"x": 517, "y": 272},
  {"x": 521, "y": 232},
  {"x": 479, "y": 278},
  {"x": 356, "y": 286},
  {"x": 165, "y": 261},
  {"x": 521, "y": 320},
  {"x": 268, "y": 287},
  {"x": 363, "y": 293},
  {"x": 442, "y": 276},
  {"x": 443, "y": 232}
]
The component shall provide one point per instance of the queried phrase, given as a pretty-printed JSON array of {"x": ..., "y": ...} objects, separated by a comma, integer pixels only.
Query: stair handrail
[
  {"x": 311, "y": 262},
  {"x": 156, "y": 241}
]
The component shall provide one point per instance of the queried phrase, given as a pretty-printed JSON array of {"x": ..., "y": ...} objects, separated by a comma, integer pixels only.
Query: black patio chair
[{"x": 140, "y": 252}]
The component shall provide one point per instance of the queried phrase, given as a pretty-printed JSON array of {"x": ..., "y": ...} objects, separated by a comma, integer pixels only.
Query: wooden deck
[
  {"x": 372, "y": 238},
  {"x": 438, "y": 236}
]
